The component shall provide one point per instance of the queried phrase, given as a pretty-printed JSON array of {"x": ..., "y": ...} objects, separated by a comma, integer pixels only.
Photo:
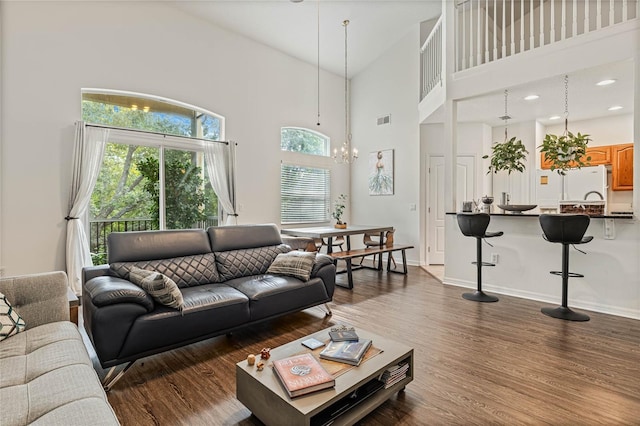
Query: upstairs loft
[{"x": 483, "y": 46}]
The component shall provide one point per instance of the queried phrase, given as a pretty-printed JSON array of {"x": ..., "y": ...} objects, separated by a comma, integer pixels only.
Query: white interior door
[
  {"x": 435, "y": 211},
  {"x": 465, "y": 191}
]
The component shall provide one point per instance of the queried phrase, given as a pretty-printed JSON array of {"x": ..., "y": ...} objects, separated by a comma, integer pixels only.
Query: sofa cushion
[
  {"x": 133, "y": 246},
  {"x": 241, "y": 263},
  {"x": 45, "y": 348},
  {"x": 159, "y": 286},
  {"x": 185, "y": 271},
  {"x": 208, "y": 309},
  {"x": 227, "y": 238},
  {"x": 271, "y": 295},
  {"x": 296, "y": 264},
  {"x": 10, "y": 322},
  {"x": 47, "y": 369}
]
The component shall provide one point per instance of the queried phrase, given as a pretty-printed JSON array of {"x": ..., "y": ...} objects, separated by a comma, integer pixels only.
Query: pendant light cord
[
  {"x": 346, "y": 89},
  {"x": 318, "y": 123},
  {"x": 566, "y": 104},
  {"x": 506, "y": 115}
]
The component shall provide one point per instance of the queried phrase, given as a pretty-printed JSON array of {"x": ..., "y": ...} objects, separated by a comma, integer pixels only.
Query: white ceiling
[
  {"x": 586, "y": 99},
  {"x": 376, "y": 25}
]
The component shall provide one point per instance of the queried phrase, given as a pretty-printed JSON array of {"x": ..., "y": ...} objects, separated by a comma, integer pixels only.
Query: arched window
[
  {"x": 149, "y": 180},
  {"x": 297, "y": 139},
  {"x": 305, "y": 179}
]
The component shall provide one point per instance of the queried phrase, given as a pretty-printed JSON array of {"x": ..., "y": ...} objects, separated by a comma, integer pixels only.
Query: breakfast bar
[{"x": 611, "y": 282}]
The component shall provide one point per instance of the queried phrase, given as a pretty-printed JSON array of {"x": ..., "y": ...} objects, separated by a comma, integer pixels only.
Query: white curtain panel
[
  {"x": 88, "y": 153},
  {"x": 220, "y": 158}
]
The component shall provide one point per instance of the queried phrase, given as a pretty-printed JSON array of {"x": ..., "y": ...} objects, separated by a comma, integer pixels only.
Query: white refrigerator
[{"x": 577, "y": 184}]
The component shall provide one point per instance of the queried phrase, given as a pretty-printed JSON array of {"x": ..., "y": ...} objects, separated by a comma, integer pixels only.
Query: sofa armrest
[
  {"x": 106, "y": 290},
  {"x": 90, "y": 272},
  {"x": 38, "y": 298},
  {"x": 321, "y": 260},
  {"x": 325, "y": 270}
]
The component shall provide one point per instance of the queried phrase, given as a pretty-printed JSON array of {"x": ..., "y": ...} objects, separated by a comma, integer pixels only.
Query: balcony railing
[
  {"x": 99, "y": 230},
  {"x": 488, "y": 30},
  {"x": 431, "y": 59}
]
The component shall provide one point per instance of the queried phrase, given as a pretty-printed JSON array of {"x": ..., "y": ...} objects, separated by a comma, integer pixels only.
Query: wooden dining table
[{"x": 330, "y": 232}]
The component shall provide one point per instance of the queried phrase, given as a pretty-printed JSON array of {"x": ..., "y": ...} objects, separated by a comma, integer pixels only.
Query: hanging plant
[
  {"x": 566, "y": 151},
  {"x": 510, "y": 154}
]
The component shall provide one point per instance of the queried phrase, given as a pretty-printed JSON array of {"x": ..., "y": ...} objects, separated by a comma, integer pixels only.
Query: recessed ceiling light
[
  {"x": 531, "y": 97},
  {"x": 134, "y": 107},
  {"x": 615, "y": 108},
  {"x": 554, "y": 117},
  {"x": 605, "y": 82}
]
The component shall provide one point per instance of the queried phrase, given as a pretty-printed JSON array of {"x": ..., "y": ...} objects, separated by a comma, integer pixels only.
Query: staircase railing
[
  {"x": 488, "y": 30},
  {"x": 431, "y": 60}
]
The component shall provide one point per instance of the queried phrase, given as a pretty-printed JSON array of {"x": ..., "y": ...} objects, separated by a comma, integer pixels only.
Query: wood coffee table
[{"x": 263, "y": 394}]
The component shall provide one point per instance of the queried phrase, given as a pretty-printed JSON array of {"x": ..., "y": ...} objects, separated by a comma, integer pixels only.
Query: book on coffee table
[
  {"x": 349, "y": 352},
  {"x": 302, "y": 374},
  {"x": 343, "y": 335}
]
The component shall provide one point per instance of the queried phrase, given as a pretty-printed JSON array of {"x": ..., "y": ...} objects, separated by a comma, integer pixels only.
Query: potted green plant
[
  {"x": 338, "y": 210},
  {"x": 566, "y": 151},
  {"x": 508, "y": 156}
]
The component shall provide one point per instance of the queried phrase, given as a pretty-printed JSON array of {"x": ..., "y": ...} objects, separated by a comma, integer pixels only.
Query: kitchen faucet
[{"x": 593, "y": 192}]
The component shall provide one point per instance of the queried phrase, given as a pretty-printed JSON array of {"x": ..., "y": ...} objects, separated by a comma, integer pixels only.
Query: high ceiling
[{"x": 375, "y": 26}]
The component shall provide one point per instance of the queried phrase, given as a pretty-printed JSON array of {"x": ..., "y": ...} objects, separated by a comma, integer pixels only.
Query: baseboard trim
[{"x": 541, "y": 297}]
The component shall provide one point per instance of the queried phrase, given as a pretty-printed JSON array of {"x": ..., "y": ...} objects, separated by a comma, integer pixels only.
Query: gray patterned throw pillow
[
  {"x": 10, "y": 322},
  {"x": 296, "y": 264},
  {"x": 160, "y": 287}
]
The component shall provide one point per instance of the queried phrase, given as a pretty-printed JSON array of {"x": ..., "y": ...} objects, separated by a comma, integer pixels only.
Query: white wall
[
  {"x": 50, "y": 50},
  {"x": 390, "y": 85}
]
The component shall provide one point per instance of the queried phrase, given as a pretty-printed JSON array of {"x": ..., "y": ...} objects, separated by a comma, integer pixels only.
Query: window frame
[
  {"x": 157, "y": 140},
  {"x": 327, "y": 141}
]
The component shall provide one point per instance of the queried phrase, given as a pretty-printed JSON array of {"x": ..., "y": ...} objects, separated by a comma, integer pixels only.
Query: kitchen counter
[
  {"x": 536, "y": 213},
  {"x": 611, "y": 282}
]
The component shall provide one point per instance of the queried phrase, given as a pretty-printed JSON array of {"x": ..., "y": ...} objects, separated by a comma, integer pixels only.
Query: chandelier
[{"x": 346, "y": 155}]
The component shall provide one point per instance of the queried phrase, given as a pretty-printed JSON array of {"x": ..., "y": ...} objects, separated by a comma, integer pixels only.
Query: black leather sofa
[{"x": 221, "y": 275}]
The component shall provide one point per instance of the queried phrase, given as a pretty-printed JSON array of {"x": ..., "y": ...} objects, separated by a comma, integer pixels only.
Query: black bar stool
[
  {"x": 475, "y": 225},
  {"x": 566, "y": 229}
]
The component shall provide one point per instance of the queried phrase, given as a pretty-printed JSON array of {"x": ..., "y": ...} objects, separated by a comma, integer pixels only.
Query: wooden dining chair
[
  {"x": 336, "y": 242},
  {"x": 373, "y": 240}
]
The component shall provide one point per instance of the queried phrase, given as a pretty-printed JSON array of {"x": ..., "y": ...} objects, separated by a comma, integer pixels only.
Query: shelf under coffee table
[{"x": 262, "y": 393}]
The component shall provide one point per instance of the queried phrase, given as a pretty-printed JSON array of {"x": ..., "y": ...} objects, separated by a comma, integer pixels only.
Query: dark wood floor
[{"x": 496, "y": 363}]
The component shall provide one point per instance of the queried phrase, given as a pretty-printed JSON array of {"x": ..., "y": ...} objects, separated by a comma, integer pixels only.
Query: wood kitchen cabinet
[
  {"x": 599, "y": 155},
  {"x": 622, "y": 167}
]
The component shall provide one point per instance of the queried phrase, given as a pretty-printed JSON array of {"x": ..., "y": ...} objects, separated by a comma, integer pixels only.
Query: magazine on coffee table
[{"x": 349, "y": 352}]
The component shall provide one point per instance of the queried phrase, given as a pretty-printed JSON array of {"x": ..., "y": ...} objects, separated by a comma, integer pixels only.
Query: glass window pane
[
  {"x": 303, "y": 140},
  {"x": 304, "y": 194},
  {"x": 123, "y": 198},
  {"x": 148, "y": 114},
  {"x": 184, "y": 186}
]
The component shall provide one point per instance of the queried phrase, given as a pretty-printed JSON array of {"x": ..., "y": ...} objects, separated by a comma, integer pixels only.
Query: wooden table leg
[{"x": 73, "y": 306}]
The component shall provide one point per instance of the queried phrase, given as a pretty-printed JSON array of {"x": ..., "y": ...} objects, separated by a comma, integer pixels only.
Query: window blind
[{"x": 304, "y": 194}]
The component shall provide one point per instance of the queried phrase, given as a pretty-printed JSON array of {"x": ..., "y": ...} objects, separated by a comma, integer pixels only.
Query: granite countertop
[{"x": 536, "y": 213}]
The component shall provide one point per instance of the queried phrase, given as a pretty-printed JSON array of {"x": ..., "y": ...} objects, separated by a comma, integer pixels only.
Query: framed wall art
[{"x": 381, "y": 172}]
